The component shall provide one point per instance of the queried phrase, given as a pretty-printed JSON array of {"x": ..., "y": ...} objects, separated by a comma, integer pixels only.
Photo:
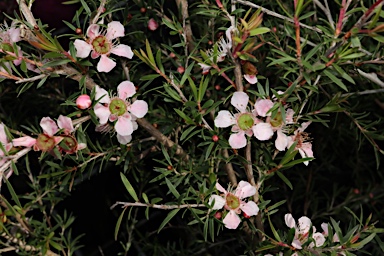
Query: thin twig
[
  {"x": 157, "y": 206},
  {"x": 277, "y": 15},
  {"x": 31, "y": 79}
]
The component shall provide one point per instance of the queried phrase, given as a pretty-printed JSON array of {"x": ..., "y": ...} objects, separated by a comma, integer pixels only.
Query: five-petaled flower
[
  {"x": 242, "y": 123},
  {"x": 100, "y": 43},
  {"x": 232, "y": 201},
  {"x": 119, "y": 110}
]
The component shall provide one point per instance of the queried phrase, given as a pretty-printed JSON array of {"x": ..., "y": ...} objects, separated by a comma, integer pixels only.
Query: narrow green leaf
[
  {"x": 172, "y": 188},
  {"x": 335, "y": 80},
  {"x": 118, "y": 223},
  {"x": 259, "y": 31},
  {"x": 129, "y": 187},
  {"x": 167, "y": 219},
  {"x": 286, "y": 181},
  {"x": 13, "y": 193}
]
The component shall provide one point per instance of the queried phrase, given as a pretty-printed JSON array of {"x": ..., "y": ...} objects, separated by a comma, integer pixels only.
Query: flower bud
[
  {"x": 79, "y": 31},
  {"x": 181, "y": 69},
  {"x": 143, "y": 10},
  {"x": 217, "y": 87},
  {"x": 83, "y": 101},
  {"x": 218, "y": 215},
  {"x": 215, "y": 138},
  {"x": 152, "y": 24}
]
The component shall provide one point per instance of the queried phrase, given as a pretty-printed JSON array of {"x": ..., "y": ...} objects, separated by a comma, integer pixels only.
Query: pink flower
[
  {"x": 100, "y": 43},
  {"x": 232, "y": 201},
  {"x": 119, "y": 110},
  {"x": 304, "y": 146},
  {"x": 302, "y": 232},
  {"x": 47, "y": 140},
  {"x": 152, "y": 24},
  {"x": 242, "y": 123},
  {"x": 83, "y": 101}
]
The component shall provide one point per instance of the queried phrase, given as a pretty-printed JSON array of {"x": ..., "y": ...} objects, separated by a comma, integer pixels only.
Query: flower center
[
  {"x": 233, "y": 201},
  {"x": 45, "y": 142},
  {"x": 277, "y": 121},
  {"x": 245, "y": 121},
  {"x": 101, "y": 45},
  {"x": 117, "y": 107},
  {"x": 68, "y": 144}
]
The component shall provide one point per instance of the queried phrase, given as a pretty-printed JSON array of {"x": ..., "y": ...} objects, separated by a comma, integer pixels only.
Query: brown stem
[
  {"x": 229, "y": 168},
  {"x": 183, "y": 7}
]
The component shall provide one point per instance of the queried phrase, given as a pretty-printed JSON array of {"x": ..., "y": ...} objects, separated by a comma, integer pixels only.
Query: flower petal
[
  {"x": 319, "y": 239},
  {"x": 123, "y": 51},
  {"x": 304, "y": 223},
  {"x": 297, "y": 244},
  {"x": 49, "y": 126},
  {"x": 3, "y": 135},
  {"x": 244, "y": 189},
  {"x": 103, "y": 94},
  {"x": 115, "y": 29},
  {"x": 232, "y": 220},
  {"x": 82, "y": 48},
  {"x": 126, "y": 89},
  {"x": 262, "y": 106},
  {"x": 240, "y": 101},
  {"x": 250, "y": 208},
  {"x": 93, "y": 31},
  {"x": 281, "y": 141},
  {"x": 139, "y": 108},
  {"x": 219, "y": 202},
  {"x": 220, "y": 188},
  {"x": 25, "y": 141},
  {"x": 105, "y": 64},
  {"x": 123, "y": 126},
  {"x": 123, "y": 139},
  {"x": 237, "y": 140},
  {"x": 252, "y": 79},
  {"x": 263, "y": 131},
  {"x": 224, "y": 119},
  {"x": 65, "y": 123},
  {"x": 289, "y": 220},
  {"x": 102, "y": 113}
]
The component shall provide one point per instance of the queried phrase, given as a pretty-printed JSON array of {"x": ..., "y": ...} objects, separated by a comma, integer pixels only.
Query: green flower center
[
  {"x": 117, "y": 107},
  {"x": 45, "y": 142},
  {"x": 277, "y": 121},
  {"x": 101, "y": 45},
  {"x": 68, "y": 144},
  {"x": 245, "y": 121},
  {"x": 233, "y": 201}
]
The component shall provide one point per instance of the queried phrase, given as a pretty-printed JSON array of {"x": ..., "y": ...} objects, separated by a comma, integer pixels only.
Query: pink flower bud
[
  {"x": 181, "y": 69},
  {"x": 152, "y": 24},
  {"x": 83, "y": 101}
]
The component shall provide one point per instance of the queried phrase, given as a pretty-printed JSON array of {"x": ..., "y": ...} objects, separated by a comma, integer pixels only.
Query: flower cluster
[
  {"x": 55, "y": 136},
  {"x": 100, "y": 44},
  {"x": 119, "y": 110},
  {"x": 257, "y": 121},
  {"x": 233, "y": 203},
  {"x": 302, "y": 231}
]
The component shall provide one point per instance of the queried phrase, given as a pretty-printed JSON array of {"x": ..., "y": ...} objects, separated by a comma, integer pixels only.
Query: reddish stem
[{"x": 341, "y": 17}]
